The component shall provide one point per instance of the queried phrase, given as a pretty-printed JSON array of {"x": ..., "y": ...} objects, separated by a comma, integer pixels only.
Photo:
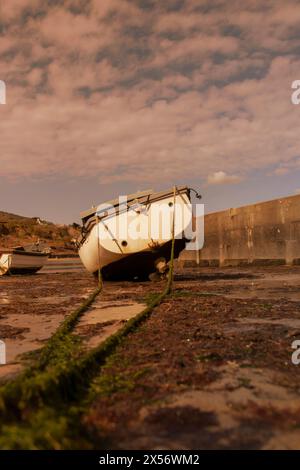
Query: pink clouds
[
  {"x": 196, "y": 47},
  {"x": 13, "y": 8},
  {"x": 147, "y": 95},
  {"x": 221, "y": 177}
]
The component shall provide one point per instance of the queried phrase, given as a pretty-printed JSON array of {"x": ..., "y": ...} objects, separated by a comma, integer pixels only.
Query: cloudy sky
[{"x": 111, "y": 96}]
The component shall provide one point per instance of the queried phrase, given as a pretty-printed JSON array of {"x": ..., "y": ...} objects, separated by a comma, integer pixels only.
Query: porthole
[
  {"x": 124, "y": 243},
  {"x": 170, "y": 204}
]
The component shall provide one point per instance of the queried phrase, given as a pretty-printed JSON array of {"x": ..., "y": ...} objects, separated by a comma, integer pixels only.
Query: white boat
[
  {"x": 22, "y": 260},
  {"x": 126, "y": 238}
]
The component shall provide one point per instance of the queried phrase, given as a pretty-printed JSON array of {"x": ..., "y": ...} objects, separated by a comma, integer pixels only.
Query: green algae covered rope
[
  {"x": 56, "y": 342},
  {"x": 66, "y": 381}
]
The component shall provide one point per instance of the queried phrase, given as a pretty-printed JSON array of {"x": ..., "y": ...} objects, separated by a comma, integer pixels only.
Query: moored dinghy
[
  {"x": 109, "y": 233},
  {"x": 23, "y": 260}
]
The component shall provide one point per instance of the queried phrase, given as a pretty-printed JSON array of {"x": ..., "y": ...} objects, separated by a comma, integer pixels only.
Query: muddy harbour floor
[{"x": 210, "y": 369}]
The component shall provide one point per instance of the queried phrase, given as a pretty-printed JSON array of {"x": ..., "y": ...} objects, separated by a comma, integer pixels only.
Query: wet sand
[
  {"x": 211, "y": 368},
  {"x": 32, "y": 308}
]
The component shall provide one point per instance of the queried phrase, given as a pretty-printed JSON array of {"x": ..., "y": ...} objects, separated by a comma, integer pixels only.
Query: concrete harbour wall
[{"x": 263, "y": 233}]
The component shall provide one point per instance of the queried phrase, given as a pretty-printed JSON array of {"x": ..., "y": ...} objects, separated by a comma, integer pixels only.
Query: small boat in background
[{"x": 23, "y": 259}]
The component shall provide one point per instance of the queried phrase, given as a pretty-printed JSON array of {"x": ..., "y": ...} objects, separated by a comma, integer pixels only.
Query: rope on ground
[
  {"x": 66, "y": 328},
  {"x": 65, "y": 382},
  {"x": 101, "y": 353},
  {"x": 113, "y": 340},
  {"x": 51, "y": 350}
]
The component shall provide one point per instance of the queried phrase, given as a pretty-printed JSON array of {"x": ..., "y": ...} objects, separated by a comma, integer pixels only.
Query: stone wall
[{"x": 264, "y": 233}]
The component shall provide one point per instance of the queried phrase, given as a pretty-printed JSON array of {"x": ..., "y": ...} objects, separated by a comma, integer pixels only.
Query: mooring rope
[
  {"x": 51, "y": 349},
  {"x": 171, "y": 271},
  {"x": 99, "y": 354},
  {"x": 100, "y": 280},
  {"x": 66, "y": 380}
]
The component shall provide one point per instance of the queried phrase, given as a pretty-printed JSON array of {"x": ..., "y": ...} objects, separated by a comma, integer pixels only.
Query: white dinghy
[{"x": 22, "y": 260}]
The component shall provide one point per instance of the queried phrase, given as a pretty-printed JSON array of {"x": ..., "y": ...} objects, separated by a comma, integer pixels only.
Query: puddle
[
  {"x": 37, "y": 328},
  {"x": 104, "y": 319},
  {"x": 31, "y": 310},
  {"x": 102, "y": 312}
]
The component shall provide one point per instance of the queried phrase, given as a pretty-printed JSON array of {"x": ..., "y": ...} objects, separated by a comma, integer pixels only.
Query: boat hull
[
  {"x": 22, "y": 263},
  {"x": 127, "y": 257},
  {"x": 140, "y": 265}
]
